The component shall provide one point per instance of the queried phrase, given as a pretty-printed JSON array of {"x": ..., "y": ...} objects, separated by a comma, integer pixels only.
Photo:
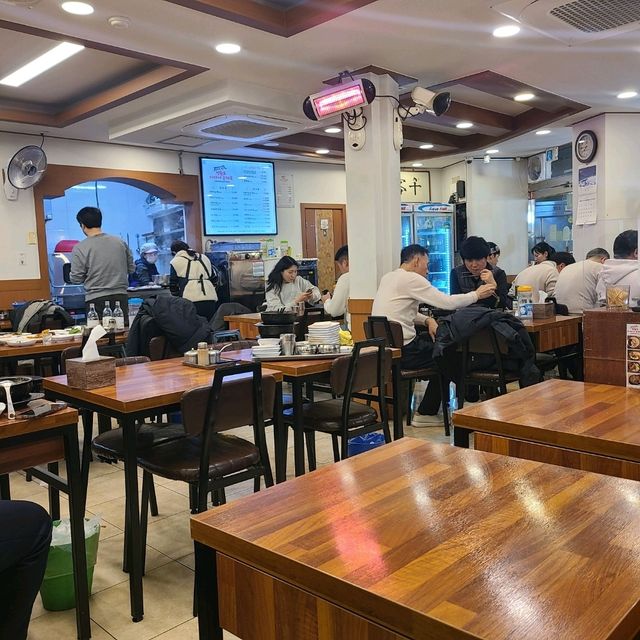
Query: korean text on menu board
[{"x": 239, "y": 197}]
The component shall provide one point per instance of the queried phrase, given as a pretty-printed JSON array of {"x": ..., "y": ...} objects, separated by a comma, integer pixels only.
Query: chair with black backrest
[
  {"x": 391, "y": 331},
  {"x": 351, "y": 376}
]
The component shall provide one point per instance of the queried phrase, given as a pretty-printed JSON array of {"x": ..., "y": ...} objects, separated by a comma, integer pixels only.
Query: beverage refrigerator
[{"x": 431, "y": 225}]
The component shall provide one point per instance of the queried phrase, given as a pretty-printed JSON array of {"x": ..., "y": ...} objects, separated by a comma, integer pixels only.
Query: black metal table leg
[
  {"x": 298, "y": 425},
  {"x": 398, "y": 427},
  {"x": 207, "y": 593},
  {"x": 133, "y": 537},
  {"x": 461, "y": 436},
  {"x": 76, "y": 511},
  {"x": 54, "y": 494},
  {"x": 280, "y": 436}
]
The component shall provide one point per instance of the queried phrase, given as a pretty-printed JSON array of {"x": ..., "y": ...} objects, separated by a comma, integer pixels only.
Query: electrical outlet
[
  {"x": 22, "y": 259},
  {"x": 32, "y": 238}
]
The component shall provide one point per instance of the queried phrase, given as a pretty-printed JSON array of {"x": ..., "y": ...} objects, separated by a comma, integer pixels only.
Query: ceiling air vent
[
  {"x": 21, "y": 3},
  {"x": 575, "y": 22},
  {"x": 184, "y": 141},
  {"x": 243, "y": 128}
]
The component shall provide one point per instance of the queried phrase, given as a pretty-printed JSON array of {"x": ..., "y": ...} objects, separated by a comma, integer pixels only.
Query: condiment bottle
[
  {"x": 203, "y": 354},
  {"x": 191, "y": 356}
]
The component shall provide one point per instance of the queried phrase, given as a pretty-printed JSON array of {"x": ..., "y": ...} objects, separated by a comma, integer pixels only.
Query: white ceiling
[{"x": 432, "y": 40}]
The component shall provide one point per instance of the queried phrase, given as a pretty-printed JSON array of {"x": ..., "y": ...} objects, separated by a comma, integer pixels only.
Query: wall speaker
[{"x": 460, "y": 189}]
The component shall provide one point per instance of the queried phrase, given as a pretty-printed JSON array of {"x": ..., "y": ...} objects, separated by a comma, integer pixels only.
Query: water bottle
[
  {"x": 107, "y": 316},
  {"x": 92, "y": 317},
  {"x": 118, "y": 316},
  {"x": 525, "y": 301},
  {"x": 134, "y": 306}
]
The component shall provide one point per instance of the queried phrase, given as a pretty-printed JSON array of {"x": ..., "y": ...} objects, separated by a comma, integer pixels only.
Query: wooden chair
[
  {"x": 351, "y": 377},
  {"x": 391, "y": 332}
]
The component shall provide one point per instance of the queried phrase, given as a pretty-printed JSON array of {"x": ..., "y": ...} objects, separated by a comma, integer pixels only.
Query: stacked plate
[
  {"x": 324, "y": 333},
  {"x": 266, "y": 348}
]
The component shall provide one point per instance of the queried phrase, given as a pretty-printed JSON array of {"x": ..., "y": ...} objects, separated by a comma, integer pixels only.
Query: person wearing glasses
[{"x": 145, "y": 265}]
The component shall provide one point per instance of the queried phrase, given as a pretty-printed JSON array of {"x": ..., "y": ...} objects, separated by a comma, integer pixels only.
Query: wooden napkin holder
[
  {"x": 92, "y": 374},
  {"x": 543, "y": 310}
]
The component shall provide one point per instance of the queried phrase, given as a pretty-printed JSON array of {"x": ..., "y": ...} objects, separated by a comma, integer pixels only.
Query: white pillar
[
  {"x": 618, "y": 196},
  {"x": 373, "y": 195}
]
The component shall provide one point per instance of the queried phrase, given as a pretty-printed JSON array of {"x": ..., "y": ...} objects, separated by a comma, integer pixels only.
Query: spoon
[{"x": 11, "y": 412}]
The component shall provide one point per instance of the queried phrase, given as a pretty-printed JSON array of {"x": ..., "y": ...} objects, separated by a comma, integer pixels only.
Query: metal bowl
[
  {"x": 328, "y": 348},
  {"x": 306, "y": 349},
  {"x": 278, "y": 317},
  {"x": 21, "y": 387}
]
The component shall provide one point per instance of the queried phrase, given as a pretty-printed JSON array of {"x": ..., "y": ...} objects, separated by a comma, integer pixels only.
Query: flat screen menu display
[{"x": 238, "y": 197}]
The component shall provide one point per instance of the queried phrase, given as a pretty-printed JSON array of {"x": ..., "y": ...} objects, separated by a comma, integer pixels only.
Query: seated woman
[
  {"x": 285, "y": 287},
  {"x": 542, "y": 275},
  {"x": 145, "y": 265},
  {"x": 193, "y": 277}
]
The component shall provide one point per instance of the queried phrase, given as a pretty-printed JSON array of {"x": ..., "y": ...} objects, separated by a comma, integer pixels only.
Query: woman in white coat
[{"x": 285, "y": 287}]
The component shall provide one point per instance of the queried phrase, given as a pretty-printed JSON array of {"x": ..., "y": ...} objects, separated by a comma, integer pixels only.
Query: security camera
[
  {"x": 486, "y": 159},
  {"x": 468, "y": 160},
  {"x": 425, "y": 100}
]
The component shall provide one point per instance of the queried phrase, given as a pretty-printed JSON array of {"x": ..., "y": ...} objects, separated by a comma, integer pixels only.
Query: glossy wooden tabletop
[
  {"x": 143, "y": 386},
  {"x": 52, "y": 347},
  {"x": 537, "y": 324},
  {"x": 432, "y": 541},
  {"x": 595, "y": 418},
  {"x": 250, "y": 318},
  {"x": 18, "y": 427}
]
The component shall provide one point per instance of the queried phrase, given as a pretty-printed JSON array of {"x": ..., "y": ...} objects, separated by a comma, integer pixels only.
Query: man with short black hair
[
  {"x": 576, "y": 285},
  {"x": 398, "y": 296},
  {"x": 562, "y": 259},
  {"x": 336, "y": 305},
  {"x": 623, "y": 269},
  {"x": 102, "y": 263}
]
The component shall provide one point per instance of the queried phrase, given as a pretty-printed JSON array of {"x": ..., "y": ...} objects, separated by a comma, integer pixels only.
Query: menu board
[{"x": 238, "y": 197}]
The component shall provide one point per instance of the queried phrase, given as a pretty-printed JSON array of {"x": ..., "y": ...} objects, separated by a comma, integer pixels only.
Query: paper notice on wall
[
  {"x": 587, "y": 212},
  {"x": 284, "y": 191},
  {"x": 633, "y": 356}
]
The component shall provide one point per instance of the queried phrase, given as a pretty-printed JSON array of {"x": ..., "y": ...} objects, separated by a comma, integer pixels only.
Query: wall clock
[{"x": 586, "y": 146}]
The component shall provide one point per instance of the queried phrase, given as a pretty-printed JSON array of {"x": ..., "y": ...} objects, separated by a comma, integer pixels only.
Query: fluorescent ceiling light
[
  {"x": 271, "y": 144},
  {"x": 543, "y": 132},
  {"x": 322, "y": 152},
  {"x": 492, "y": 151},
  {"x": 41, "y": 64},
  {"x": 228, "y": 48},
  {"x": 416, "y": 164},
  {"x": 524, "y": 97},
  {"x": 426, "y": 146},
  {"x": 88, "y": 187},
  {"x": 507, "y": 31},
  {"x": 464, "y": 125},
  {"x": 333, "y": 130},
  {"x": 77, "y": 8},
  {"x": 625, "y": 95}
]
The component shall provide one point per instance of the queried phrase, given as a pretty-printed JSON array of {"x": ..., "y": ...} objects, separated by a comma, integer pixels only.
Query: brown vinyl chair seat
[
  {"x": 326, "y": 416},
  {"x": 425, "y": 372},
  {"x": 110, "y": 445},
  {"x": 180, "y": 459}
]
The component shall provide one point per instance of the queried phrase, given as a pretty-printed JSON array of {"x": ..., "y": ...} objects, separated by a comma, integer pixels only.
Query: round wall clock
[{"x": 586, "y": 146}]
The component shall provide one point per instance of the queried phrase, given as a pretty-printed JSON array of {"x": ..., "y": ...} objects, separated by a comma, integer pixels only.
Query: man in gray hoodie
[
  {"x": 622, "y": 269},
  {"x": 102, "y": 263}
]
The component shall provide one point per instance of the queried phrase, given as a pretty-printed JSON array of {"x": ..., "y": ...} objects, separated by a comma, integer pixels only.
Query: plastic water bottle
[
  {"x": 107, "y": 316},
  {"x": 92, "y": 317},
  {"x": 118, "y": 316},
  {"x": 134, "y": 305}
]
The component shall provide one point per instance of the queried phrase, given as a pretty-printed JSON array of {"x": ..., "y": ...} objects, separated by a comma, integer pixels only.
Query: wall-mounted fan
[{"x": 27, "y": 167}]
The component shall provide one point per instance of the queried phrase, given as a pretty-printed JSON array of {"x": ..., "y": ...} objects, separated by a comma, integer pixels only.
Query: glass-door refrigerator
[
  {"x": 406, "y": 222},
  {"x": 433, "y": 229}
]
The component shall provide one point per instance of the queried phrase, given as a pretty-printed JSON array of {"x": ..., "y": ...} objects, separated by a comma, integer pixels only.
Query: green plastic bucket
[{"x": 57, "y": 590}]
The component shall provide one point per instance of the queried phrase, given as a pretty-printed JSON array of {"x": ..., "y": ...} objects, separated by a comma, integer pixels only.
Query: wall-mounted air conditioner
[{"x": 538, "y": 168}]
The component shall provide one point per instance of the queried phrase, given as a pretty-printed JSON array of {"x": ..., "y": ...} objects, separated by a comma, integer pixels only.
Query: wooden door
[{"x": 324, "y": 231}]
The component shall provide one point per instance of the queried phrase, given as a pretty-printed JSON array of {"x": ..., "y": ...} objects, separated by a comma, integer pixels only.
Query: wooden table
[
  {"x": 298, "y": 373},
  {"x": 140, "y": 391},
  {"x": 420, "y": 541},
  {"x": 586, "y": 426},
  {"x": 26, "y": 443},
  {"x": 245, "y": 323},
  {"x": 552, "y": 333}
]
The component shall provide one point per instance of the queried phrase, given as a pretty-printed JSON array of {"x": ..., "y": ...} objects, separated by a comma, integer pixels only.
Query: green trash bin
[{"x": 57, "y": 590}]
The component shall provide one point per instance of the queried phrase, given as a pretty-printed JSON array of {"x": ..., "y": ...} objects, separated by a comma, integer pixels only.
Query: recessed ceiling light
[
  {"x": 543, "y": 132},
  {"x": 426, "y": 146},
  {"x": 492, "y": 151},
  {"x": 271, "y": 144},
  {"x": 322, "y": 152},
  {"x": 506, "y": 31},
  {"x": 524, "y": 97},
  {"x": 416, "y": 164},
  {"x": 625, "y": 95},
  {"x": 77, "y": 8},
  {"x": 228, "y": 48},
  {"x": 464, "y": 125},
  {"x": 333, "y": 130},
  {"x": 42, "y": 63}
]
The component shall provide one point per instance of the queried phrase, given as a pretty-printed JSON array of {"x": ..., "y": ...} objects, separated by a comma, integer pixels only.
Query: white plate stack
[
  {"x": 266, "y": 348},
  {"x": 324, "y": 333}
]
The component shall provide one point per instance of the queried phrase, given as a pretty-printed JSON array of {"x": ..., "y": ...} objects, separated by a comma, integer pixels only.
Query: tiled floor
[{"x": 168, "y": 583}]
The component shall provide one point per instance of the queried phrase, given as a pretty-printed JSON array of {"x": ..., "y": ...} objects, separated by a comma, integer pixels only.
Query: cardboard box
[
  {"x": 543, "y": 310},
  {"x": 92, "y": 374}
]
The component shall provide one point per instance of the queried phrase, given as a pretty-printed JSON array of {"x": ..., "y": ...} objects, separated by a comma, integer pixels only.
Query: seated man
[
  {"x": 562, "y": 259},
  {"x": 623, "y": 269},
  {"x": 476, "y": 270},
  {"x": 336, "y": 305},
  {"x": 543, "y": 274},
  {"x": 576, "y": 285},
  {"x": 398, "y": 296}
]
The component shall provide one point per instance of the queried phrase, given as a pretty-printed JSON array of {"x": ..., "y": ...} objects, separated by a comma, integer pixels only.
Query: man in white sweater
[
  {"x": 576, "y": 285},
  {"x": 336, "y": 305},
  {"x": 398, "y": 296}
]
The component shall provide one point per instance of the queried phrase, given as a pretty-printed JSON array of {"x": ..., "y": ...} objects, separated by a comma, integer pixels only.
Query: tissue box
[
  {"x": 92, "y": 374},
  {"x": 543, "y": 310}
]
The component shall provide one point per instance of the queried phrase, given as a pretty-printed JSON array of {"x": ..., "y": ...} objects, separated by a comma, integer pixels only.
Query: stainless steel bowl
[
  {"x": 306, "y": 349},
  {"x": 328, "y": 348}
]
